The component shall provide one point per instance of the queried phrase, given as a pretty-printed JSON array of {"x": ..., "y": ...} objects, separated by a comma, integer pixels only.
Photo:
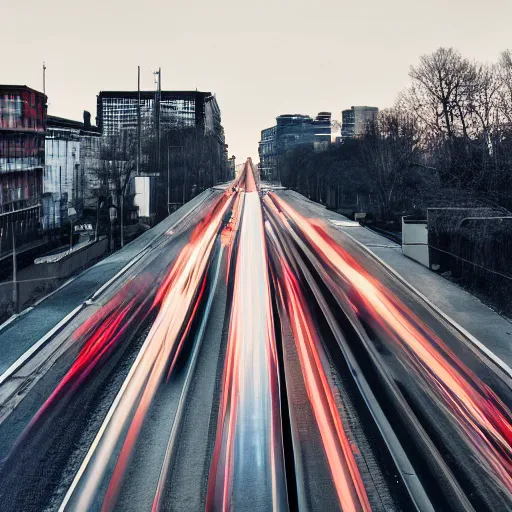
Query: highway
[{"x": 245, "y": 355}]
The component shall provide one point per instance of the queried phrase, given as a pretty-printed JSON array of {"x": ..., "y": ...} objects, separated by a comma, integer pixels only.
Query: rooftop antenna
[
  {"x": 44, "y": 78},
  {"x": 157, "y": 114},
  {"x": 138, "y": 121}
]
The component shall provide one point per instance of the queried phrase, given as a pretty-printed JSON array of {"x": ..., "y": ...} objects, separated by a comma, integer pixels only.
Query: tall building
[
  {"x": 22, "y": 142},
  {"x": 290, "y": 131},
  {"x": 62, "y": 180},
  {"x": 355, "y": 119},
  {"x": 321, "y": 130},
  {"x": 90, "y": 161},
  {"x": 231, "y": 167},
  {"x": 67, "y": 179},
  {"x": 118, "y": 110},
  {"x": 267, "y": 153}
]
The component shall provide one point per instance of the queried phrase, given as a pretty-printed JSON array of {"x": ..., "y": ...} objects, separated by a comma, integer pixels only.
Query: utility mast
[
  {"x": 44, "y": 78},
  {"x": 139, "y": 127},
  {"x": 157, "y": 116}
]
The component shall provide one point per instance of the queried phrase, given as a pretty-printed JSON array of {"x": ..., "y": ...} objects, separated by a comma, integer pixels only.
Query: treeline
[{"x": 446, "y": 141}]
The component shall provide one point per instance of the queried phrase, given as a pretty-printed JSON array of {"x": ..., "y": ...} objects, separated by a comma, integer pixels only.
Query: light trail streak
[
  {"x": 482, "y": 419},
  {"x": 338, "y": 450},
  {"x": 178, "y": 298},
  {"x": 101, "y": 335},
  {"x": 164, "y": 472},
  {"x": 247, "y": 468}
]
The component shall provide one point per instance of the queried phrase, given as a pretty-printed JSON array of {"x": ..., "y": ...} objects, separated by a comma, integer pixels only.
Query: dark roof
[
  {"x": 62, "y": 122},
  {"x": 151, "y": 94},
  {"x": 18, "y": 88}
]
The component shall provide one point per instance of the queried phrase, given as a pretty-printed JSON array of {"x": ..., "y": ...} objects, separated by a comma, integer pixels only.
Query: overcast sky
[{"x": 261, "y": 58}]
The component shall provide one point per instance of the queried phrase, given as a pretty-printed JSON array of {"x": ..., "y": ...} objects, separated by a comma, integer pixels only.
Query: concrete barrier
[{"x": 38, "y": 280}]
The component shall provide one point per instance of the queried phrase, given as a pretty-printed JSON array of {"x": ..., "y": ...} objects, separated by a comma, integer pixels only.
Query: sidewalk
[{"x": 487, "y": 326}]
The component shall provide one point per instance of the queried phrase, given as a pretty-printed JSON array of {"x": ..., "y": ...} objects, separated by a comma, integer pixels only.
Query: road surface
[{"x": 241, "y": 357}]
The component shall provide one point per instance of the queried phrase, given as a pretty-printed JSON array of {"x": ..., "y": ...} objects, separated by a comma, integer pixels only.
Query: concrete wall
[
  {"x": 415, "y": 240},
  {"x": 38, "y": 280}
]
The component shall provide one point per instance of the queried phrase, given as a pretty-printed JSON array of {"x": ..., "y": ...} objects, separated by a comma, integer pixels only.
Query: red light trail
[
  {"x": 482, "y": 419},
  {"x": 249, "y": 463}
]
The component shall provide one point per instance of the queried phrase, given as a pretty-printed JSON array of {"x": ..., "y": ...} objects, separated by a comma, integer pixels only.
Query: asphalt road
[{"x": 250, "y": 358}]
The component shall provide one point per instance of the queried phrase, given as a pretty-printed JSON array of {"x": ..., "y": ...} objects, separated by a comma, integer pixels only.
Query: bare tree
[
  {"x": 441, "y": 91},
  {"x": 389, "y": 149},
  {"x": 505, "y": 91}
]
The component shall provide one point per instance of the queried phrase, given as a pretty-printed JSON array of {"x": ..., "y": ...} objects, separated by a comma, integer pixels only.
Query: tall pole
[
  {"x": 14, "y": 270},
  {"x": 122, "y": 219},
  {"x": 139, "y": 128},
  {"x": 60, "y": 195},
  {"x": 168, "y": 180},
  {"x": 159, "y": 111},
  {"x": 111, "y": 235},
  {"x": 184, "y": 174},
  {"x": 97, "y": 219},
  {"x": 71, "y": 235},
  {"x": 44, "y": 78}
]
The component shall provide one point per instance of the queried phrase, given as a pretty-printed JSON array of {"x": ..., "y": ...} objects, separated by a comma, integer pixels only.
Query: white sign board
[{"x": 143, "y": 195}]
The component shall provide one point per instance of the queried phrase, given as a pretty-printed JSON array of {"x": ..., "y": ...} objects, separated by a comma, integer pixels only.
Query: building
[
  {"x": 22, "y": 145},
  {"x": 321, "y": 131},
  {"x": 90, "y": 161},
  {"x": 72, "y": 156},
  {"x": 290, "y": 131},
  {"x": 161, "y": 111},
  {"x": 118, "y": 110},
  {"x": 268, "y": 153},
  {"x": 117, "y": 113},
  {"x": 355, "y": 119},
  {"x": 231, "y": 167},
  {"x": 63, "y": 185}
]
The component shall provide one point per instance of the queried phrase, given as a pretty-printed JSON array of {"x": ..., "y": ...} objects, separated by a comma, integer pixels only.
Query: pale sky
[{"x": 260, "y": 58}]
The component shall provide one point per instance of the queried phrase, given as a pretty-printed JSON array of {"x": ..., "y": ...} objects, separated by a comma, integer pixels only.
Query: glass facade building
[
  {"x": 177, "y": 109},
  {"x": 290, "y": 131},
  {"x": 355, "y": 119}
]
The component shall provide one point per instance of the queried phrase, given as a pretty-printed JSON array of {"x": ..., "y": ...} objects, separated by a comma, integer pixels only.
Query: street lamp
[
  {"x": 14, "y": 269},
  {"x": 71, "y": 215},
  {"x": 113, "y": 215},
  {"x": 169, "y": 177}
]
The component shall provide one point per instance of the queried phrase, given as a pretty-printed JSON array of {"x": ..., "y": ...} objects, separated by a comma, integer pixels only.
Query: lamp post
[
  {"x": 71, "y": 214},
  {"x": 14, "y": 270},
  {"x": 169, "y": 177},
  {"x": 113, "y": 215}
]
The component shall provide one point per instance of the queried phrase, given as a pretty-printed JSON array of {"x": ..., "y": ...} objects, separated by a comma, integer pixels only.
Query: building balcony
[{"x": 19, "y": 204}]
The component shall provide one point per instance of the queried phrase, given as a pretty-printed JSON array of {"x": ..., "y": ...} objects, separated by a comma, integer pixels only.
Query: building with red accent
[{"x": 22, "y": 160}]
